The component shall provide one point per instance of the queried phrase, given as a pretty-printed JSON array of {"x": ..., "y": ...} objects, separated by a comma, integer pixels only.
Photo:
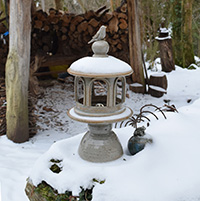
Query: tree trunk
[
  {"x": 198, "y": 50},
  {"x": 188, "y": 51},
  {"x": 182, "y": 32},
  {"x": 176, "y": 30},
  {"x": 17, "y": 70},
  {"x": 135, "y": 43}
]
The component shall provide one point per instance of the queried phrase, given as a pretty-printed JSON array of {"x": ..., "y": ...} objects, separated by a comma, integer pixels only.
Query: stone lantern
[{"x": 100, "y": 94}]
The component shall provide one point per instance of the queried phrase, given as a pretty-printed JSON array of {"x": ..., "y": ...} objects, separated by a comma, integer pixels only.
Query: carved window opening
[
  {"x": 99, "y": 93},
  {"x": 120, "y": 87},
  {"x": 80, "y": 88}
]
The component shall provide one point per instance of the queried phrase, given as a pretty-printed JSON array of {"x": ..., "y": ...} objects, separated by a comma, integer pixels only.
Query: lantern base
[{"x": 100, "y": 144}]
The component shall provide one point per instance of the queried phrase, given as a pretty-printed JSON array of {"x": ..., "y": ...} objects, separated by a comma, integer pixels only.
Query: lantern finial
[{"x": 100, "y": 47}]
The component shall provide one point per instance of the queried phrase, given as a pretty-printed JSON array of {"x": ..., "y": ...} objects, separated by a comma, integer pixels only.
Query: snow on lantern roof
[
  {"x": 100, "y": 67},
  {"x": 100, "y": 64}
]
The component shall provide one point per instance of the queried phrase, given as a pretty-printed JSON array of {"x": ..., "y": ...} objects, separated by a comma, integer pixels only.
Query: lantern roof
[{"x": 105, "y": 66}]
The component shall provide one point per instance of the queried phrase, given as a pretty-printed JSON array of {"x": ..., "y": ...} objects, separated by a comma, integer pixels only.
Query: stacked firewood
[
  {"x": 68, "y": 34},
  {"x": 3, "y": 49},
  {"x": 32, "y": 116},
  {"x": 31, "y": 107},
  {"x": 2, "y": 107}
]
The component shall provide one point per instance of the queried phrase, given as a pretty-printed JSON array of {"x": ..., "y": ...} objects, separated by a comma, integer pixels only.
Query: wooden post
[
  {"x": 135, "y": 43},
  {"x": 17, "y": 70},
  {"x": 166, "y": 54}
]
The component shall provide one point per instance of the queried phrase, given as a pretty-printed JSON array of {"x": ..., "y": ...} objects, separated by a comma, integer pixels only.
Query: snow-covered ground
[{"x": 167, "y": 170}]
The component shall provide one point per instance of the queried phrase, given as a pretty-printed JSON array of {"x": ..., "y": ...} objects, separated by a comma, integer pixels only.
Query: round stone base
[{"x": 100, "y": 144}]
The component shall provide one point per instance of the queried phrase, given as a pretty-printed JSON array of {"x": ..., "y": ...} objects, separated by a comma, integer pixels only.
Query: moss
[
  {"x": 56, "y": 167},
  {"x": 98, "y": 181},
  {"x": 50, "y": 194},
  {"x": 46, "y": 191},
  {"x": 55, "y": 160}
]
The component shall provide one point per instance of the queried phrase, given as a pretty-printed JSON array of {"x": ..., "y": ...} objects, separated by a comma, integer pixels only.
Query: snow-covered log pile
[
  {"x": 32, "y": 116},
  {"x": 68, "y": 34}
]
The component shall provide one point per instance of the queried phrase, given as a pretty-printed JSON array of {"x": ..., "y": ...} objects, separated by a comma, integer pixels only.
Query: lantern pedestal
[{"x": 100, "y": 144}]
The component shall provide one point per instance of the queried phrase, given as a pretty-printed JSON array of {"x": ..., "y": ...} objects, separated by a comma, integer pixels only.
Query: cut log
[
  {"x": 113, "y": 25},
  {"x": 136, "y": 87},
  {"x": 123, "y": 24},
  {"x": 89, "y": 14},
  {"x": 53, "y": 20},
  {"x": 77, "y": 19},
  {"x": 124, "y": 38},
  {"x": 107, "y": 17},
  {"x": 66, "y": 19},
  {"x": 122, "y": 15},
  {"x": 46, "y": 28},
  {"x": 91, "y": 30},
  {"x": 119, "y": 46},
  {"x": 93, "y": 22},
  {"x": 64, "y": 37},
  {"x": 63, "y": 29},
  {"x": 38, "y": 24},
  {"x": 157, "y": 85},
  {"x": 72, "y": 27},
  {"x": 82, "y": 26},
  {"x": 123, "y": 8}
]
